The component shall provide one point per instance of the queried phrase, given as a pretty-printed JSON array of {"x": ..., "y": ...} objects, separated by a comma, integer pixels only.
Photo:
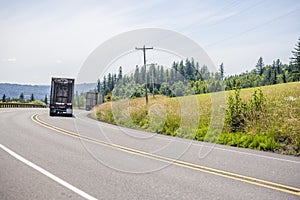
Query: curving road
[{"x": 80, "y": 158}]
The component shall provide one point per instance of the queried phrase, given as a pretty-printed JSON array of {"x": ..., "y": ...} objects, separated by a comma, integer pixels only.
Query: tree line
[
  {"x": 22, "y": 99},
  {"x": 187, "y": 77}
]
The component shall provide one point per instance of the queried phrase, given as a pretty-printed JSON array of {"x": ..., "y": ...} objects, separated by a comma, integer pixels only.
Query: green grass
[{"x": 276, "y": 129}]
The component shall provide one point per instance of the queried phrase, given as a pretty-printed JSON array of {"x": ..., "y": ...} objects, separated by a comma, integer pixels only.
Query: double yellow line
[{"x": 226, "y": 174}]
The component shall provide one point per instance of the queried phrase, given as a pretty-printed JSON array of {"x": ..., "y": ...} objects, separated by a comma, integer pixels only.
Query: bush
[{"x": 240, "y": 113}]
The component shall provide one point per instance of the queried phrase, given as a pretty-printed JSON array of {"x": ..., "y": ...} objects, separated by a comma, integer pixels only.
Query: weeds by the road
[{"x": 266, "y": 118}]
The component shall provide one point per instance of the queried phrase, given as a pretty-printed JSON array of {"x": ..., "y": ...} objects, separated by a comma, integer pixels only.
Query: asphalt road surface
[{"x": 44, "y": 157}]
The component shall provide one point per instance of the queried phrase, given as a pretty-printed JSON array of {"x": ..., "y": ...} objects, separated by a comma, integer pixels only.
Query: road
[{"x": 46, "y": 157}]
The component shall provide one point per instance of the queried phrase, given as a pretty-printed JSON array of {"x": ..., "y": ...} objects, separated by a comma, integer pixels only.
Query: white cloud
[{"x": 10, "y": 60}]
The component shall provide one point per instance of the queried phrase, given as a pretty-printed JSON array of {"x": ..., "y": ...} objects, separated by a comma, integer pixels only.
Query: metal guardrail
[{"x": 21, "y": 105}]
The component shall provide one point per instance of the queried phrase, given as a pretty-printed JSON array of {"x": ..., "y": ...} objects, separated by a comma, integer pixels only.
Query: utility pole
[{"x": 144, "y": 52}]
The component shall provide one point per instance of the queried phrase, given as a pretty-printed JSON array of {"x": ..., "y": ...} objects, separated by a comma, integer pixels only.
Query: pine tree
[
  {"x": 32, "y": 97},
  {"x": 4, "y": 98},
  {"x": 295, "y": 62},
  {"x": 180, "y": 69},
  {"x": 110, "y": 82},
  {"x": 21, "y": 98},
  {"x": 278, "y": 66},
  {"x": 120, "y": 75},
  {"x": 221, "y": 70},
  {"x": 137, "y": 74},
  {"x": 98, "y": 86},
  {"x": 260, "y": 66},
  {"x": 161, "y": 75},
  {"x": 46, "y": 100},
  {"x": 142, "y": 75},
  {"x": 104, "y": 90},
  {"x": 274, "y": 73}
]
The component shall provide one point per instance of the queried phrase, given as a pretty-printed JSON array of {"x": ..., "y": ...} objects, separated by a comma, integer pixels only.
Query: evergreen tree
[
  {"x": 260, "y": 66},
  {"x": 269, "y": 75},
  {"x": 295, "y": 62},
  {"x": 278, "y": 66},
  {"x": 284, "y": 77},
  {"x": 114, "y": 81},
  {"x": 4, "y": 98},
  {"x": 204, "y": 72},
  {"x": 104, "y": 90},
  {"x": 189, "y": 71},
  {"x": 110, "y": 82},
  {"x": 221, "y": 70},
  {"x": 175, "y": 66},
  {"x": 21, "y": 98},
  {"x": 274, "y": 73},
  {"x": 167, "y": 76},
  {"x": 181, "y": 69},
  {"x": 142, "y": 75},
  {"x": 137, "y": 75},
  {"x": 46, "y": 100},
  {"x": 32, "y": 97},
  {"x": 120, "y": 75},
  {"x": 172, "y": 76},
  {"x": 161, "y": 75},
  {"x": 98, "y": 86},
  {"x": 198, "y": 75}
]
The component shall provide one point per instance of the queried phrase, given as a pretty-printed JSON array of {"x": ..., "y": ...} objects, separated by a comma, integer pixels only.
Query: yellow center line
[{"x": 222, "y": 173}]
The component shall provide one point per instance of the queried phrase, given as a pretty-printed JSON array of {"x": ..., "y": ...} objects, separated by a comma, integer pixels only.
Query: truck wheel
[{"x": 52, "y": 114}]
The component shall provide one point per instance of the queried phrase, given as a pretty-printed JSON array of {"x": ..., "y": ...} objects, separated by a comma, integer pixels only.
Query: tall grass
[{"x": 274, "y": 127}]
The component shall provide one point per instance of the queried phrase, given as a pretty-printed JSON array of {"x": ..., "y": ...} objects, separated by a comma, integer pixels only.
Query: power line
[{"x": 252, "y": 28}]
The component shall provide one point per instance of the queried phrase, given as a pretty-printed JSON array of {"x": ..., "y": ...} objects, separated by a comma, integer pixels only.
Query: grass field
[{"x": 276, "y": 128}]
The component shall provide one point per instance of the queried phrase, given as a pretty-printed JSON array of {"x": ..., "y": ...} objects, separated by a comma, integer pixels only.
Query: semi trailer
[{"x": 61, "y": 96}]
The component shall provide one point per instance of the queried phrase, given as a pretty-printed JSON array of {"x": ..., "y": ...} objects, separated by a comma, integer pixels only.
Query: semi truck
[
  {"x": 91, "y": 100},
  {"x": 61, "y": 96}
]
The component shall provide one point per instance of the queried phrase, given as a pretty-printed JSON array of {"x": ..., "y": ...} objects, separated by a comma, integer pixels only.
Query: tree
[
  {"x": 4, "y": 98},
  {"x": 120, "y": 75},
  {"x": 189, "y": 70},
  {"x": 221, "y": 70},
  {"x": 137, "y": 74},
  {"x": 278, "y": 66},
  {"x": 161, "y": 75},
  {"x": 274, "y": 73},
  {"x": 46, "y": 100},
  {"x": 21, "y": 98},
  {"x": 32, "y": 97},
  {"x": 295, "y": 62},
  {"x": 260, "y": 66},
  {"x": 110, "y": 82},
  {"x": 104, "y": 90},
  {"x": 98, "y": 86}
]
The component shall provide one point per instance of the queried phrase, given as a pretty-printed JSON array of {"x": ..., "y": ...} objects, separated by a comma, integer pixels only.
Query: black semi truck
[{"x": 61, "y": 96}]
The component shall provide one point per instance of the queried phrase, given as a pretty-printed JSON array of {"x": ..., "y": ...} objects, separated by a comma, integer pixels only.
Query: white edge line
[{"x": 48, "y": 174}]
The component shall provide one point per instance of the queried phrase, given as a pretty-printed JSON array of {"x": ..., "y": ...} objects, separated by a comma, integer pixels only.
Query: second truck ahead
[{"x": 61, "y": 96}]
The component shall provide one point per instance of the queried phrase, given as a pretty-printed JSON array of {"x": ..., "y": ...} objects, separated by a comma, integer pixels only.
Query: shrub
[{"x": 240, "y": 113}]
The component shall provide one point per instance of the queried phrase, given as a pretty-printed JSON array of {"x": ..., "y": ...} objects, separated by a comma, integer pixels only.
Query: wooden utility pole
[{"x": 144, "y": 52}]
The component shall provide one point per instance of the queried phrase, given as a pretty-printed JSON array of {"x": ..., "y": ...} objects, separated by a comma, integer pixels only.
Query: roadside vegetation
[
  {"x": 22, "y": 99},
  {"x": 262, "y": 108},
  {"x": 265, "y": 118}
]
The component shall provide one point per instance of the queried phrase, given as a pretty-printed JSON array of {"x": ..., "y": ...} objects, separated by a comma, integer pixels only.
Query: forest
[{"x": 186, "y": 77}]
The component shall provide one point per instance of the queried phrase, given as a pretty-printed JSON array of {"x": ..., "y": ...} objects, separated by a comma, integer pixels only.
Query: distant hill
[{"x": 39, "y": 91}]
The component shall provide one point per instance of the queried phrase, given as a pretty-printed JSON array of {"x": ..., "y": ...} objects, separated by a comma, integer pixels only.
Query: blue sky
[{"x": 40, "y": 39}]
